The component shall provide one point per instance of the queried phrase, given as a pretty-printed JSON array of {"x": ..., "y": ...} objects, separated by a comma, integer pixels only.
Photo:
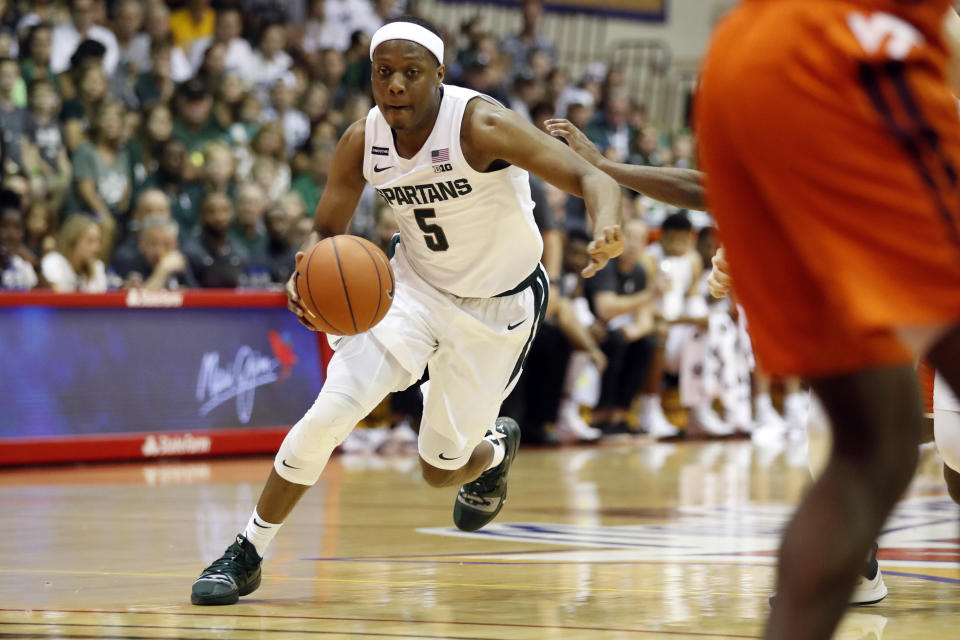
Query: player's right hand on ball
[
  {"x": 720, "y": 280},
  {"x": 293, "y": 298}
]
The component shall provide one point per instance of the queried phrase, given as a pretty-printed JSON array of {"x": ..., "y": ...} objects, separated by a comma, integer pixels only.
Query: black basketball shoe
[
  {"x": 480, "y": 501},
  {"x": 236, "y": 573}
]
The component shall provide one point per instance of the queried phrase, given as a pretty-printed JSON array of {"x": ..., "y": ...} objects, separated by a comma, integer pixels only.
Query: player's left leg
[
  {"x": 945, "y": 356},
  {"x": 870, "y": 587},
  {"x": 476, "y": 365}
]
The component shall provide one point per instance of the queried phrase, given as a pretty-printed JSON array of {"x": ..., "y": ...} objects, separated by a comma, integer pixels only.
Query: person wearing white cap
[{"x": 470, "y": 290}]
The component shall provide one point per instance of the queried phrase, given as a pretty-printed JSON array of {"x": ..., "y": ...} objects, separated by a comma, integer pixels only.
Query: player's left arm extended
[{"x": 497, "y": 133}]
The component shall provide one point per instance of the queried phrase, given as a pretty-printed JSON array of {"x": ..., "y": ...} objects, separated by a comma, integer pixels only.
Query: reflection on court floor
[{"x": 635, "y": 540}]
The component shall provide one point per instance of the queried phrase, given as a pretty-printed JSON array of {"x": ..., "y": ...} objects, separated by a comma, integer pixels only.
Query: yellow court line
[{"x": 407, "y": 583}]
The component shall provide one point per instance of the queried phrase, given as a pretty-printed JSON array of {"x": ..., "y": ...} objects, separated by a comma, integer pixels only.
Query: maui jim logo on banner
[
  {"x": 238, "y": 379},
  {"x": 162, "y": 445},
  {"x": 149, "y": 298}
]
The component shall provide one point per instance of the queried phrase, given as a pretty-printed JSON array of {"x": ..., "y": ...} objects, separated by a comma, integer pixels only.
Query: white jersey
[
  {"x": 467, "y": 233},
  {"x": 680, "y": 272}
]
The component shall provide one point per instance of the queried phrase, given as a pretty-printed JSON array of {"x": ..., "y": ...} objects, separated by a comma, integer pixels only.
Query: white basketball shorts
[{"x": 473, "y": 349}]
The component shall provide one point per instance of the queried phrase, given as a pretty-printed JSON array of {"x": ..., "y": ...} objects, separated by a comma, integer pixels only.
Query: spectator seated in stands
[
  {"x": 214, "y": 258},
  {"x": 270, "y": 61},
  {"x": 102, "y": 173},
  {"x": 35, "y": 54},
  {"x": 158, "y": 263},
  {"x": 156, "y": 84},
  {"x": 710, "y": 352},
  {"x": 157, "y": 27},
  {"x": 310, "y": 184},
  {"x": 82, "y": 26},
  {"x": 127, "y": 23},
  {"x": 17, "y": 272},
  {"x": 14, "y": 120},
  {"x": 194, "y": 124},
  {"x": 611, "y": 131},
  {"x": 228, "y": 31},
  {"x": 218, "y": 169},
  {"x": 76, "y": 264},
  {"x": 151, "y": 203},
  {"x": 277, "y": 259},
  {"x": 53, "y": 163},
  {"x": 248, "y": 229},
  {"x": 680, "y": 268},
  {"x": 267, "y": 163},
  {"x": 581, "y": 385},
  {"x": 78, "y": 112},
  {"x": 520, "y": 45},
  {"x": 322, "y": 33},
  {"x": 622, "y": 296},
  {"x": 192, "y": 22},
  {"x": 146, "y": 147},
  {"x": 184, "y": 195},
  {"x": 296, "y": 126}
]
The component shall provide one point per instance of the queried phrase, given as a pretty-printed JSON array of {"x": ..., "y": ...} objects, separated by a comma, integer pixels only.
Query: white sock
[
  {"x": 499, "y": 448},
  {"x": 795, "y": 402},
  {"x": 260, "y": 532},
  {"x": 650, "y": 402},
  {"x": 763, "y": 404}
]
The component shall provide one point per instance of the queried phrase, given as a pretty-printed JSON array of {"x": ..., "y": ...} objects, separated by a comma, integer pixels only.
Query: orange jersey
[{"x": 831, "y": 146}]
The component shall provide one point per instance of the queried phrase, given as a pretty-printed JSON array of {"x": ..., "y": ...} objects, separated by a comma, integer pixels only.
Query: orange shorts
[{"x": 833, "y": 175}]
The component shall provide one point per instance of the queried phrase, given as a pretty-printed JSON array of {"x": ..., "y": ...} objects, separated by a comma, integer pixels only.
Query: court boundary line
[{"x": 512, "y": 625}]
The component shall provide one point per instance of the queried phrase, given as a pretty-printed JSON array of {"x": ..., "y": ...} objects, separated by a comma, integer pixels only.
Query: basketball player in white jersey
[
  {"x": 684, "y": 188},
  {"x": 470, "y": 290}
]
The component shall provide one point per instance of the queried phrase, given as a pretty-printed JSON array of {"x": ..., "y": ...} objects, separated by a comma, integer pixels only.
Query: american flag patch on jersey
[{"x": 440, "y": 155}]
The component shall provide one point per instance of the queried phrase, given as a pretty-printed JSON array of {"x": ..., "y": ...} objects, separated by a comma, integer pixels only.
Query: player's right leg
[
  {"x": 873, "y": 459},
  {"x": 945, "y": 356},
  {"x": 360, "y": 374}
]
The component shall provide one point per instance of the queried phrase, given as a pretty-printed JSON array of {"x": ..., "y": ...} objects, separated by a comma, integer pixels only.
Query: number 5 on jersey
[{"x": 432, "y": 233}]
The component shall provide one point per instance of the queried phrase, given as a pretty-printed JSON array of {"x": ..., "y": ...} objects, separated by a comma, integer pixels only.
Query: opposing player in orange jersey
[
  {"x": 830, "y": 142},
  {"x": 684, "y": 188}
]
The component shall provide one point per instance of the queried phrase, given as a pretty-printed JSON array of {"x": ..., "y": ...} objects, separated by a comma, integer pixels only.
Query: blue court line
[
  {"x": 921, "y": 576},
  {"x": 925, "y": 523},
  {"x": 465, "y": 555},
  {"x": 601, "y": 563}
]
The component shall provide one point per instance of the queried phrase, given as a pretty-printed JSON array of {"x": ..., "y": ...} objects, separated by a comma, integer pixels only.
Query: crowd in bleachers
[{"x": 186, "y": 143}]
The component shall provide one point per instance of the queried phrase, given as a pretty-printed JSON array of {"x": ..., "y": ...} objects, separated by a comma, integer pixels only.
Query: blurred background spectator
[
  {"x": 187, "y": 142},
  {"x": 76, "y": 263}
]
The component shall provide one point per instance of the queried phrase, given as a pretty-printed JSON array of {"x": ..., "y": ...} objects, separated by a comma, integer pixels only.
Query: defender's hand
[
  {"x": 293, "y": 299},
  {"x": 578, "y": 141},
  {"x": 720, "y": 281},
  {"x": 606, "y": 244},
  {"x": 598, "y": 358}
]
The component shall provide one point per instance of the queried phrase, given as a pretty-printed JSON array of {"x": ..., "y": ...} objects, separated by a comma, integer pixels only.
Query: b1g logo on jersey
[
  {"x": 442, "y": 168},
  {"x": 883, "y": 31}
]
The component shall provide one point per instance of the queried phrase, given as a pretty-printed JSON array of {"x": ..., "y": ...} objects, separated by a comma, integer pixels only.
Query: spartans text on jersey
[{"x": 426, "y": 193}]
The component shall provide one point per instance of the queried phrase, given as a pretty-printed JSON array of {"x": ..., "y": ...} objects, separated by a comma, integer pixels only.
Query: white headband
[{"x": 408, "y": 31}]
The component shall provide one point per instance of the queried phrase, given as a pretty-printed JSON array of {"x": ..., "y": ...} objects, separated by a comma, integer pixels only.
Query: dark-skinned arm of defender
[{"x": 678, "y": 187}]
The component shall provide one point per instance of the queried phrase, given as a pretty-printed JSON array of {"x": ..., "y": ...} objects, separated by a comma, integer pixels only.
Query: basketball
[{"x": 346, "y": 283}]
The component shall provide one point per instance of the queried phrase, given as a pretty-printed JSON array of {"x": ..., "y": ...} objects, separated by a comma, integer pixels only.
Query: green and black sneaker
[
  {"x": 236, "y": 573},
  {"x": 480, "y": 501}
]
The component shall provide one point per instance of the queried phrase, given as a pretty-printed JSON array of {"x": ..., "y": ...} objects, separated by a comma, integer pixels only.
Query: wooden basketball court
[{"x": 634, "y": 540}]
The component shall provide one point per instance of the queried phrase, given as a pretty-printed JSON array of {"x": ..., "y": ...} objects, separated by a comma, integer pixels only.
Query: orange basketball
[{"x": 347, "y": 283}]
